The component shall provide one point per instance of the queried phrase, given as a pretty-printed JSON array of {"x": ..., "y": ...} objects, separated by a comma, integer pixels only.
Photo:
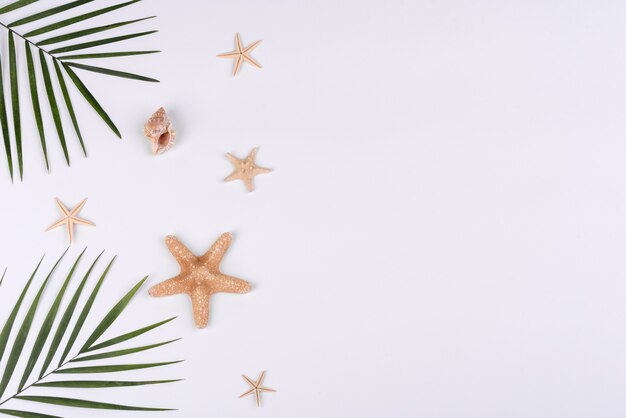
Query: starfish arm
[
  {"x": 78, "y": 207},
  {"x": 249, "y": 59},
  {"x": 61, "y": 207},
  {"x": 234, "y": 160},
  {"x": 246, "y": 393},
  {"x": 237, "y": 64},
  {"x": 231, "y": 284},
  {"x": 250, "y": 381},
  {"x": 214, "y": 255},
  {"x": 259, "y": 379},
  {"x": 251, "y": 47},
  {"x": 82, "y": 221},
  {"x": 238, "y": 42},
  {"x": 258, "y": 397},
  {"x": 200, "y": 305},
  {"x": 249, "y": 183},
  {"x": 57, "y": 224},
  {"x": 233, "y": 176},
  {"x": 174, "y": 286},
  {"x": 264, "y": 389},
  {"x": 231, "y": 54},
  {"x": 183, "y": 256},
  {"x": 70, "y": 230},
  {"x": 261, "y": 170},
  {"x": 252, "y": 155}
]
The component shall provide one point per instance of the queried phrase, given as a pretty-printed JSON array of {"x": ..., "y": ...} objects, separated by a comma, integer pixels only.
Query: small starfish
[
  {"x": 70, "y": 218},
  {"x": 245, "y": 169},
  {"x": 200, "y": 277},
  {"x": 256, "y": 387},
  {"x": 241, "y": 54}
]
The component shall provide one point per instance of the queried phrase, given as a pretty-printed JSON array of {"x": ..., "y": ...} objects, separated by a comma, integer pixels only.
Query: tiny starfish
[
  {"x": 70, "y": 218},
  {"x": 241, "y": 54},
  {"x": 245, "y": 169},
  {"x": 200, "y": 277},
  {"x": 256, "y": 387}
]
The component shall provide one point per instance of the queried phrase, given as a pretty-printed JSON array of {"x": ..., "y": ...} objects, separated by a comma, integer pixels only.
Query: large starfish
[
  {"x": 70, "y": 218},
  {"x": 241, "y": 53},
  {"x": 246, "y": 169},
  {"x": 200, "y": 277}
]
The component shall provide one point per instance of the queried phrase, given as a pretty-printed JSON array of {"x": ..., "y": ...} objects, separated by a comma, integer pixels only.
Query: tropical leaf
[
  {"x": 46, "y": 326},
  {"x": 62, "y": 30},
  {"x": 80, "y": 403},
  {"x": 22, "y": 334},
  {"x": 15, "y": 102},
  {"x": 65, "y": 320},
  {"x": 128, "y": 336},
  {"x": 98, "y": 384},
  {"x": 4, "y": 123},
  {"x": 20, "y": 346},
  {"x": 32, "y": 81}
]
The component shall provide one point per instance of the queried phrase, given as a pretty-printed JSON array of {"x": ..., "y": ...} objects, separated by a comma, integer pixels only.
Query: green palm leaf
[
  {"x": 83, "y": 315},
  {"x": 6, "y": 330},
  {"x": 76, "y": 19},
  {"x": 105, "y": 55},
  {"x": 15, "y": 102},
  {"x": 66, "y": 20},
  {"x": 48, "y": 13},
  {"x": 65, "y": 320},
  {"x": 128, "y": 336},
  {"x": 80, "y": 403},
  {"x": 91, "y": 100},
  {"x": 20, "y": 343},
  {"x": 110, "y": 317},
  {"x": 68, "y": 104},
  {"x": 4, "y": 123},
  {"x": 86, "y": 32},
  {"x": 111, "y": 72},
  {"x": 22, "y": 334},
  {"x": 53, "y": 105},
  {"x": 26, "y": 414},
  {"x": 46, "y": 326},
  {"x": 113, "y": 368},
  {"x": 32, "y": 80},
  {"x": 119, "y": 353},
  {"x": 15, "y": 5},
  {"x": 99, "y": 384},
  {"x": 91, "y": 44}
]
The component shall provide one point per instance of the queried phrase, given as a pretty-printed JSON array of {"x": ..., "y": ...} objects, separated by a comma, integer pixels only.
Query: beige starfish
[
  {"x": 70, "y": 218},
  {"x": 245, "y": 169},
  {"x": 241, "y": 54},
  {"x": 256, "y": 387},
  {"x": 200, "y": 277}
]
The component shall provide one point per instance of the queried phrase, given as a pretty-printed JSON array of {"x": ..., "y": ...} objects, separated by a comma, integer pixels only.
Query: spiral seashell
[{"x": 158, "y": 129}]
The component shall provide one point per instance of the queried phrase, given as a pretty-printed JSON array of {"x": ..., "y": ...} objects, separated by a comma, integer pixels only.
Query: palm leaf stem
[
  {"x": 27, "y": 40},
  {"x": 39, "y": 380}
]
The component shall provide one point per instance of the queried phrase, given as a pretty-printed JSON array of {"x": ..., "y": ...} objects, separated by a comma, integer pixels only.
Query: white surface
[{"x": 442, "y": 236}]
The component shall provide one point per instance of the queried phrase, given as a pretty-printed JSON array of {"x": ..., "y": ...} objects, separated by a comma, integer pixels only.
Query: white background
[{"x": 443, "y": 234}]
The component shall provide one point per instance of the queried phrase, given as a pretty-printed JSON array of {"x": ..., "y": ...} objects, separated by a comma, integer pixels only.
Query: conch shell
[{"x": 158, "y": 129}]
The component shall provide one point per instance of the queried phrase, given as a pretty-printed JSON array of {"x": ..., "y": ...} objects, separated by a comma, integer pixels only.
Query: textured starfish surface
[
  {"x": 200, "y": 277},
  {"x": 256, "y": 387},
  {"x": 241, "y": 54},
  {"x": 70, "y": 218},
  {"x": 246, "y": 169}
]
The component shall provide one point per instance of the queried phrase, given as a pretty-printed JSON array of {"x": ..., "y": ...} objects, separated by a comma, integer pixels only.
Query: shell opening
[{"x": 164, "y": 139}]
